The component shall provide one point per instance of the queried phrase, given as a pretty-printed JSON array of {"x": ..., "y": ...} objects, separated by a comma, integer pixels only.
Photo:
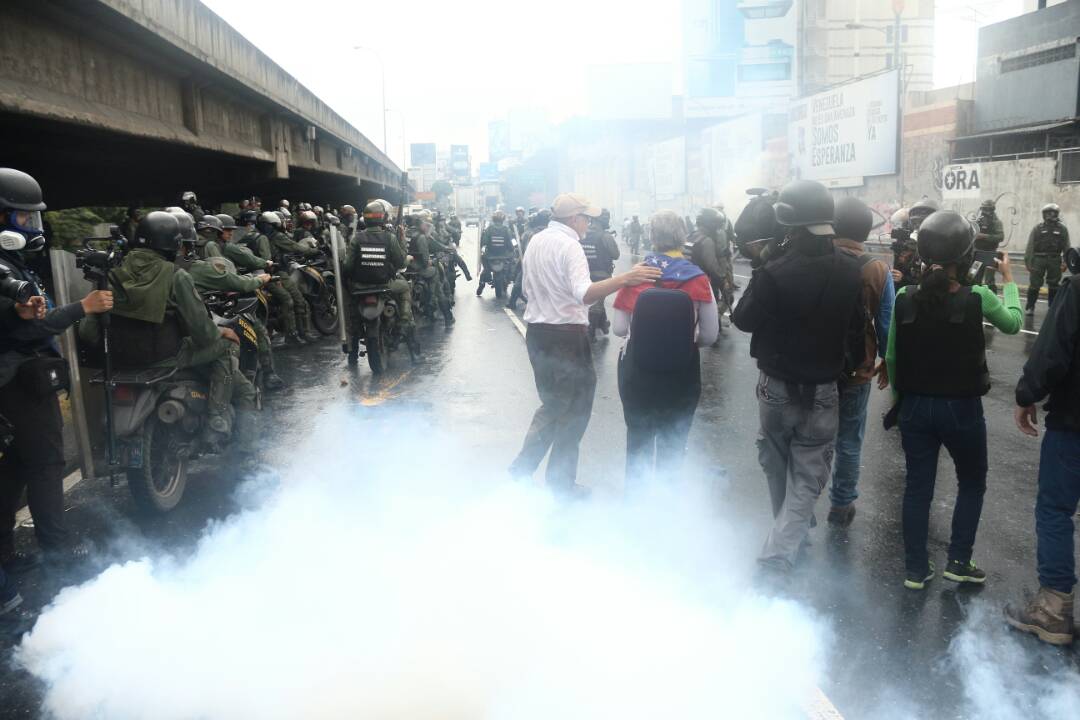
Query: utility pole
[{"x": 898, "y": 9}]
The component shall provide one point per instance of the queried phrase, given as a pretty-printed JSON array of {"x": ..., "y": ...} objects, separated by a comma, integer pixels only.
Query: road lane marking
[{"x": 517, "y": 322}]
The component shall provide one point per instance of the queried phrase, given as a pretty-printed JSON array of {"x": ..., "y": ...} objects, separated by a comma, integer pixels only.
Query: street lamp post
[{"x": 382, "y": 68}]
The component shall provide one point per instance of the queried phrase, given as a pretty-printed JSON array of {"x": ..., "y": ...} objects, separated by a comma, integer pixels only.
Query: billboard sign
[
  {"x": 489, "y": 171},
  {"x": 961, "y": 182},
  {"x": 422, "y": 154},
  {"x": 848, "y": 131}
]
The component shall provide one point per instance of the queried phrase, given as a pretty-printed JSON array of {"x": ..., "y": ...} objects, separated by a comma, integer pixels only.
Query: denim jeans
[
  {"x": 849, "y": 439},
  {"x": 927, "y": 423},
  {"x": 795, "y": 449},
  {"x": 1059, "y": 495}
]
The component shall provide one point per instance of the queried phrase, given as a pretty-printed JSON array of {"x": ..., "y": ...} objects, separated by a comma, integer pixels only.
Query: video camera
[
  {"x": 18, "y": 290},
  {"x": 97, "y": 262}
]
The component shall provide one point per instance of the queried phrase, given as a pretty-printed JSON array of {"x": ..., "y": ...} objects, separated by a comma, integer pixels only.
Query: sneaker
[
  {"x": 918, "y": 580},
  {"x": 1030, "y": 312},
  {"x": 18, "y": 562},
  {"x": 841, "y": 516},
  {"x": 964, "y": 572}
]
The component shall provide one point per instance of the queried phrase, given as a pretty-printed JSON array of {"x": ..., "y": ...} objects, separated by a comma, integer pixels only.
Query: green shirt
[
  {"x": 218, "y": 275},
  {"x": 282, "y": 244},
  {"x": 1006, "y": 317}
]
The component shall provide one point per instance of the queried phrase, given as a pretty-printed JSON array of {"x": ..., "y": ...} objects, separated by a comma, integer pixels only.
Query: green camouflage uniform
[{"x": 1043, "y": 257}]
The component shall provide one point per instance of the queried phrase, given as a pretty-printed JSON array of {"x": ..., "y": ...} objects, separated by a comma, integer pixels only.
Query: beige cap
[{"x": 568, "y": 205}]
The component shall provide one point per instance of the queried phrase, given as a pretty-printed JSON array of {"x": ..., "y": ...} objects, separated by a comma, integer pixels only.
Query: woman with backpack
[
  {"x": 659, "y": 370},
  {"x": 937, "y": 365}
]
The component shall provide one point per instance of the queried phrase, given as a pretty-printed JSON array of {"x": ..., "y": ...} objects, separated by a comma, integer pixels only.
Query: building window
[
  {"x": 1068, "y": 167},
  {"x": 1042, "y": 57},
  {"x": 765, "y": 72}
]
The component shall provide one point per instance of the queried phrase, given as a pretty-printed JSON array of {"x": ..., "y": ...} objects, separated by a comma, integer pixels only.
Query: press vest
[
  {"x": 941, "y": 351},
  {"x": 596, "y": 253},
  {"x": 372, "y": 263}
]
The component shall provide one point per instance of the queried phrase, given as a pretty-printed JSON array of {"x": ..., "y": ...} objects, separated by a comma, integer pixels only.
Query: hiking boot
[
  {"x": 964, "y": 572},
  {"x": 1048, "y": 614},
  {"x": 918, "y": 580},
  {"x": 18, "y": 562},
  {"x": 353, "y": 359},
  {"x": 479, "y": 289},
  {"x": 841, "y": 516}
]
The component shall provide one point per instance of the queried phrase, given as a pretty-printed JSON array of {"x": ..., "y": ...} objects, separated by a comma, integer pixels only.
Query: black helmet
[
  {"x": 947, "y": 238},
  {"x": 604, "y": 219},
  {"x": 247, "y": 217},
  {"x": 498, "y": 216},
  {"x": 540, "y": 219},
  {"x": 227, "y": 222},
  {"x": 988, "y": 205},
  {"x": 921, "y": 210},
  {"x": 853, "y": 219},
  {"x": 187, "y": 224},
  {"x": 158, "y": 231},
  {"x": 808, "y": 204},
  {"x": 19, "y": 191},
  {"x": 209, "y": 222},
  {"x": 1051, "y": 211},
  {"x": 1072, "y": 260},
  {"x": 709, "y": 219}
]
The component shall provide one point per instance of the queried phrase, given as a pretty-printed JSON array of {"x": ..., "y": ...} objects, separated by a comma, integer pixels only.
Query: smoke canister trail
[{"x": 376, "y": 581}]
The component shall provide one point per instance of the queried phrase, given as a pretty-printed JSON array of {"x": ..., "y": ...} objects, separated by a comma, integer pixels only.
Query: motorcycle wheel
[
  {"x": 158, "y": 486},
  {"x": 374, "y": 344},
  {"x": 324, "y": 313}
]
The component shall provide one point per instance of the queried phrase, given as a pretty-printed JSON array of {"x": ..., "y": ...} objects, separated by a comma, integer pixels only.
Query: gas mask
[{"x": 23, "y": 231}]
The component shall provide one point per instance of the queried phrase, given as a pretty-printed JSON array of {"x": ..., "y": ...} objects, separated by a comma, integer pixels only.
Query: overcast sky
[{"x": 452, "y": 66}]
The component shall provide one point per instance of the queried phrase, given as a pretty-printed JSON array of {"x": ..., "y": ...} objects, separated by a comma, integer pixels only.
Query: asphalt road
[{"x": 890, "y": 651}]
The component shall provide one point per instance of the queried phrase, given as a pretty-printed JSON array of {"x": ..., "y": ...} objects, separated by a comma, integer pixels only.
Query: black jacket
[
  {"x": 1053, "y": 367},
  {"x": 801, "y": 307}
]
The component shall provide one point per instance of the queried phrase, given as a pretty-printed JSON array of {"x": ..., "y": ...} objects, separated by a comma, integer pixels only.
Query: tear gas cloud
[{"x": 379, "y": 577}]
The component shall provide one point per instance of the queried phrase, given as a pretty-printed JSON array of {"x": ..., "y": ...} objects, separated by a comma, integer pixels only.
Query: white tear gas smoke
[
  {"x": 1008, "y": 676},
  {"x": 383, "y": 577}
]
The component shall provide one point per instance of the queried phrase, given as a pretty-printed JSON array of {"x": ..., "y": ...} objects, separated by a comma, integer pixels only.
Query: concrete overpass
[{"x": 116, "y": 102}]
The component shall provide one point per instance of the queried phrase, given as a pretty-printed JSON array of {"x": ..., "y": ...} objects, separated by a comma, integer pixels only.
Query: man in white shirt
[{"x": 555, "y": 275}]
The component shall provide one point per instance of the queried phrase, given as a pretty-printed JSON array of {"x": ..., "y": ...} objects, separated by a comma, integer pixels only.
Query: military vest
[
  {"x": 941, "y": 351},
  {"x": 500, "y": 241},
  {"x": 371, "y": 263},
  {"x": 1049, "y": 239}
]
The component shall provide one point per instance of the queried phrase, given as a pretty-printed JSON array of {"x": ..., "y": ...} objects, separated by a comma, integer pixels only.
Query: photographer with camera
[
  {"x": 31, "y": 373},
  {"x": 804, "y": 308}
]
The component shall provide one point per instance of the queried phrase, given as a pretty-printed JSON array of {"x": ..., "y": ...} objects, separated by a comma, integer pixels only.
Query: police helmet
[
  {"x": 375, "y": 212},
  {"x": 1051, "y": 211},
  {"x": 988, "y": 205},
  {"x": 899, "y": 218},
  {"x": 187, "y": 224},
  {"x": 709, "y": 219},
  {"x": 284, "y": 203},
  {"x": 1072, "y": 260},
  {"x": 947, "y": 238},
  {"x": 270, "y": 220},
  {"x": 227, "y": 222},
  {"x": 807, "y": 204},
  {"x": 918, "y": 212},
  {"x": 317, "y": 210},
  {"x": 158, "y": 231},
  {"x": 209, "y": 222},
  {"x": 347, "y": 210},
  {"x": 519, "y": 210},
  {"x": 247, "y": 217},
  {"x": 498, "y": 216},
  {"x": 188, "y": 197},
  {"x": 604, "y": 219},
  {"x": 308, "y": 216},
  {"x": 304, "y": 206},
  {"x": 853, "y": 219}
]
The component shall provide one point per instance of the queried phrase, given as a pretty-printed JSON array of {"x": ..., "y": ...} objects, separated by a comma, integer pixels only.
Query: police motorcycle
[
  {"x": 382, "y": 333},
  {"x": 156, "y": 417},
  {"x": 502, "y": 272},
  {"x": 238, "y": 313},
  {"x": 314, "y": 275}
]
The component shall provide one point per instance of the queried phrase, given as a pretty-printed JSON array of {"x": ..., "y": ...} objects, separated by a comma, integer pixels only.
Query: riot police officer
[
  {"x": 1044, "y": 255},
  {"x": 210, "y": 231},
  {"x": 497, "y": 241},
  {"x": 537, "y": 222},
  {"x": 710, "y": 249},
  {"x": 601, "y": 252},
  {"x": 519, "y": 223},
  {"x": 348, "y": 223},
  {"x": 280, "y": 244},
  {"x": 31, "y": 373},
  {"x": 989, "y": 237},
  {"x": 374, "y": 260},
  {"x": 424, "y": 265},
  {"x": 190, "y": 204}
]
